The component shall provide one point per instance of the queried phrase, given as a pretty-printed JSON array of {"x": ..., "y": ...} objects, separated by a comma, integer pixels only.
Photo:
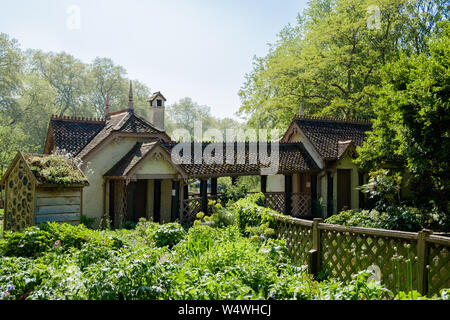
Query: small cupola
[{"x": 157, "y": 110}]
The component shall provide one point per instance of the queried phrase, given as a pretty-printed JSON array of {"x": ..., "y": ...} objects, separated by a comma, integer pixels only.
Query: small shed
[{"x": 42, "y": 188}]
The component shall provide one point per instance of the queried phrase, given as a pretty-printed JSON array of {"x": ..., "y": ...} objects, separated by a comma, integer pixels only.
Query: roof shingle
[{"x": 325, "y": 134}]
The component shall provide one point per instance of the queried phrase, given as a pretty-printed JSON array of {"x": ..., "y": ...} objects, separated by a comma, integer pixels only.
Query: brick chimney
[{"x": 157, "y": 110}]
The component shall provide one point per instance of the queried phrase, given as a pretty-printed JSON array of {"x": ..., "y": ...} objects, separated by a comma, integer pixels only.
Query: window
[{"x": 159, "y": 103}]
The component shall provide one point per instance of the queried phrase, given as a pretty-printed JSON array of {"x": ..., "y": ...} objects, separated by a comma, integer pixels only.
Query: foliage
[
  {"x": 383, "y": 189},
  {"x": 55, "y": 169},
  {"x": 129, "y": 225},
  {"x": 252, "y": 218},
  {"x": 184, "y": 113},
  {"x": 232, "y": 193},
  {"x": 205, "y": 263},
  {"x": 330, "y": 61},
  {"x": 33, "y": 241},
  {"x": 168, "y": 235},
  {"x": 412, "y": 121},
  {"x": 88, "y": 222},
  {"x": 357, "y": 218},
  {"x": 219, "y": 218},
  {"x": 395, "y": 217}
]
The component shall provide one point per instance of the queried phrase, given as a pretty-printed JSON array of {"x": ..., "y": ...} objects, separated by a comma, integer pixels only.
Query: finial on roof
[
  {"x": 130, "y": 99},
  {"x": 300, "y": 110},
  {"x": 107, "y": 111}
]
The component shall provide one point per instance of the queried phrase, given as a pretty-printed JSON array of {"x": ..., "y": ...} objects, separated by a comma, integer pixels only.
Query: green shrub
[
  {"x": 129, "y": 225},
  {"x": 88, "y": 222},
  {"x": 168, "y": 235},
  {"x": 220, "y": 217},
  {"x": 395, "y": 218},
  {"x": 253, "y": 219},
  {"x": 231, "y": 193},
  {"x": 357, "y": 218},
  {"x": 33, "y": 241}
]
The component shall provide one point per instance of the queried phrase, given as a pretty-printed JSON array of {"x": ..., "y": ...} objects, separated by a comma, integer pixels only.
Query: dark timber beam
[
  {"x": 330, "y": 194},
  {"x": 157, "y": 201},
  {"x": 314, "y": 205},
  {"x": 175, "y": 201},
  {"x": 204, "y": 195},
  {"x": 264, "y": 184},
  {"x": 214, "y": 186},
  {"x": 288, "y": 194}
]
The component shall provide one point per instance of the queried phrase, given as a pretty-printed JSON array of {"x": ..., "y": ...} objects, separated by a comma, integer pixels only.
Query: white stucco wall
[
  {"x": 97, "y": 166},
  {"x": 275, "y": 183},
  {"x": 153, "y": 166}
]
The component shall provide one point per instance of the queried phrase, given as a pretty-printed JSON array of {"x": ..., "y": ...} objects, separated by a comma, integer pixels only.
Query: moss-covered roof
[{"x": 55, "y": 170}]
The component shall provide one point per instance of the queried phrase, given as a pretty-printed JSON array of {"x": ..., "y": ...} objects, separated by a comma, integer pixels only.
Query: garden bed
[{"x": 231, "y": 254}]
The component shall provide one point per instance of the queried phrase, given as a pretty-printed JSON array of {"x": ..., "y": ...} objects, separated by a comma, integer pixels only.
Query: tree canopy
[
  {"x": 412, "y": 125},
  {"x": 329, "y": 63}
]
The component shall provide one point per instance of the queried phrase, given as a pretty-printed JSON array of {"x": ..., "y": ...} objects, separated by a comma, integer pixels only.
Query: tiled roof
[
  {"x": 73, "y": 135},
  {"x": 325, "y": 133},
  {"x": 79, "y": 135},
  {"x": 292, "y": 158},
  {"x": 123, "y": 167}
]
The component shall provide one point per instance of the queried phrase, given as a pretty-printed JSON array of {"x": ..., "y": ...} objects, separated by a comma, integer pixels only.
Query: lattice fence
[
  {"x": 298, "y": 237},
  {"x": 438, "y": 265},
  {"x": 275, "y": 201},
  {"x": 301, "y": 204},
  {"x": 401, "y": 260},
  {"x": 191, "y": 207}
]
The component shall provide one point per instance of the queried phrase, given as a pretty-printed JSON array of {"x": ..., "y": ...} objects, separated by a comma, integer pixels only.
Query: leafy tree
[
  {"x": 184, "y": 113},
  {"x": 109, "y": 79},
  {"x": 329, "y": 62},
  {"x": 68, "y": 76},
  {"x": 413, "y": 121},
  {"x": 11, "y": 71}
]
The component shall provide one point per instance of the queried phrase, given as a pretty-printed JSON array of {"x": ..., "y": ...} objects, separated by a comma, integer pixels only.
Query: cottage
[
  {"x": 127, "y": 161},
  {"x": 42, "y": 188}
]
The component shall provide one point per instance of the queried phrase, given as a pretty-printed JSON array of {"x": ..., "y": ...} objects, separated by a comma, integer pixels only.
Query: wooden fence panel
[
  {"x": 401, "y": 260},
  {"x": 298, "y": 237}
]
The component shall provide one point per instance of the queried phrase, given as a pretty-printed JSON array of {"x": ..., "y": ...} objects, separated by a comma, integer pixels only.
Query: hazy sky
[{"x": 196, "y": 48}]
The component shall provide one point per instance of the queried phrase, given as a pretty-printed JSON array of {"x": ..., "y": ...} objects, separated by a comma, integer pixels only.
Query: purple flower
[
  {"x": 57, "y": 243},
  {"x": 10, "y": 287}
]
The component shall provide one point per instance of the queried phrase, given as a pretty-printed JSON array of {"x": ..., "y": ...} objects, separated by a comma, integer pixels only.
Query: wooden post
[
  {"x": 361, "y": 197},
  {"x": 288, "y": 194},
  {"x": 184, "y": 196},
  {"x": 422, "y": 255},
  {"x": 214, "y": 186},
  {"x": 314, "y": 253},
  {"x": 264, "y": 184},
  {"x": 157, "y": 201},
  {"x": 204, "y": 195},
  {"x": 329, "y": 195},
  {"x": 314, "y": 206},
  {"x": 175, "y": 200}
]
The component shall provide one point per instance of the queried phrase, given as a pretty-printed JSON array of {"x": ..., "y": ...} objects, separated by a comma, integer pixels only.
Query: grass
[{"x": 55, "y": 169}]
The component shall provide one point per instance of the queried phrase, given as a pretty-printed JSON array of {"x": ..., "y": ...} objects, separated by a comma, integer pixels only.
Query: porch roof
[{"x": 293, "y": 157}]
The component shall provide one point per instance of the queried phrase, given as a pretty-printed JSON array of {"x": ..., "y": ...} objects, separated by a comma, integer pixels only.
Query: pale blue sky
[{"x": 196, "y": 48}]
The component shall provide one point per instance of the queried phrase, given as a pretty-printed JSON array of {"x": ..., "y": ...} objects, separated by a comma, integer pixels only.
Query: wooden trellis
[
  {"x": 395, "y": 256},
  {"x": 275, "y": 201},
  {"x": 301, "y": 204}
]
